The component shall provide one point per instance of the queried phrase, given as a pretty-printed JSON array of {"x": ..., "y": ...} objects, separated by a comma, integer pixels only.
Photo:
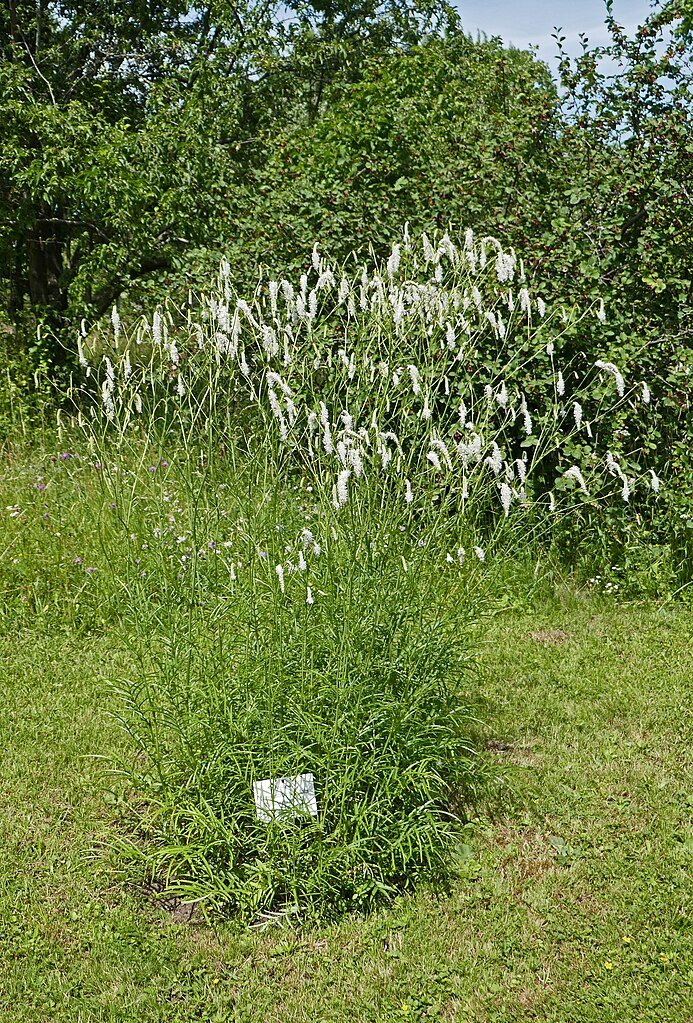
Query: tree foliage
[
  {"x": 146, "y": 139},
  {"x": 125, "y": 128}
]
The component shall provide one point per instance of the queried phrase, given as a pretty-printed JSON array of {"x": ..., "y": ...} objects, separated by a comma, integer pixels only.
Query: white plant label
[{"x": 282, "y": 797}]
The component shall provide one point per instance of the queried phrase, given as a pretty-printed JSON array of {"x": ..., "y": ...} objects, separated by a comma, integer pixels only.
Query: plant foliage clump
[{"x": 309, "y": 492}]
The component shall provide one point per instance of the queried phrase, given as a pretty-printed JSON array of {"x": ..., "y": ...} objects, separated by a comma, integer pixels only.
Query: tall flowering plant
[{"x": 345, "y": 456}]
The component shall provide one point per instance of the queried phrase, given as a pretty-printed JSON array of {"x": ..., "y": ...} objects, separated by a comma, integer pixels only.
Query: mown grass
[{"x": 571, "y": 902}]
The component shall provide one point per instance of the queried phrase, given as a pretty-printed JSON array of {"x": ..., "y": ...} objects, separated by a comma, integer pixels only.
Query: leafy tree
[
  {"x": 451, "y": 131},
  {"x": 125, "y": 128}
]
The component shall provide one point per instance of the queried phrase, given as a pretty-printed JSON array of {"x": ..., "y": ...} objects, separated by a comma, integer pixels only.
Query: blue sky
[{"x": 532, "y": 21}]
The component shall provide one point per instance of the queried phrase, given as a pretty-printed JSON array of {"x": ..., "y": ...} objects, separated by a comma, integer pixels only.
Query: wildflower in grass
[
  {"x": 461, "y": 555},
  {"x": 426, "y": 410},
  {"x": 327, "y": 440},
  {"x": 398, "y": 311},
  {"x": 270, "y": 342},
  {"x": 613, "y": 371},
  {"x": 470, "y": 451},
  {"x": 601, "y": 311},
  {"x": 107, "y": 400},
  {"x": 279, "y": 569},
  {"x": 342, "y": 488},
  {"x": 434, "y": 460},
  {"x": 415, "y": 378},
  {"x": 521, "y": 466},
  {"x": 325, "y": 280},
  {"x": 654, "y": 481},
  {"x": 506, "y": 497},
  {"x": 505, "y": 266},
  {"x": 115, "y": 320},
  {"x": 441, "y": 446},
  {"x": 577, "y": 413},
  {"x": 501, "y": 395},
  {"x": 408, "y": 494},
  {"x": 80, "y": 355},
  {"x": 560, "y": 384},
  {"x": 157, "y": 334},
  {"x": 276, "y": 407},
  {"x": 525, "y": 303},
  {"x": 646, "y": 396},
  {"x": 447, "y": 247},
  {"x": 302, "y": 564},
  {"x": 355, "y": 461},
  {"x": 309, "y": 596},
  {"x": 541, "y": 307},
  {"x": 480, "y": 553},
  {"x": 495, "y": 459},
  {"x": 180, "y": 387},
  {"x": 393, "y": 261},
  {"x": 429, "y": 251},
  {"x": 244, "y": 308},
  {"x": 550, "y": 349},
  {"x": 463, "y": 414},
  {"x": 574, "y": 473},
  {"x": 527, "y": 419},
  {"x": 616, "y": 470}
]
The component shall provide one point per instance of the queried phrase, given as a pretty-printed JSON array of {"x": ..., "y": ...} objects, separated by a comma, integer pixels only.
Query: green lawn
[{"x": 571, "y": 903}]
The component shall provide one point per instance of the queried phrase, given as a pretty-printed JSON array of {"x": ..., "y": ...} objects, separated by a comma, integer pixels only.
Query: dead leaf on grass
[{"x": 549, "y": 637}]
